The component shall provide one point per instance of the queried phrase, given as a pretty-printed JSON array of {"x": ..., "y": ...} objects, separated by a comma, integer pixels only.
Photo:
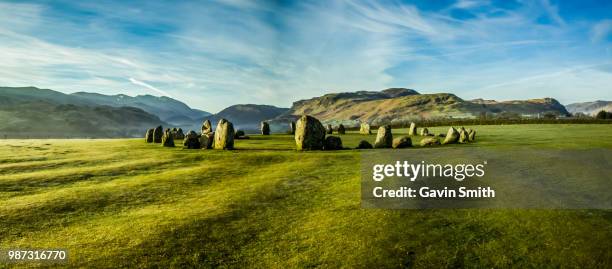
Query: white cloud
[
  {"x": 469, "y": 4},
  {"x": 148, "y": 86}
]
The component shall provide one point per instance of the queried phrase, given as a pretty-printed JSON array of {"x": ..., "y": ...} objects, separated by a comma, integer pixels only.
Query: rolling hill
[
  {"x": 140, "y": 112},
  {"x": 40, "y": 119},
  {"x": 166, "y": 108},
  {"x": 247, "y": 116},
  {"x": 590, "y": 108},
  {"x": 41, "y": 113},
  {"x": 398, "y": 105}
]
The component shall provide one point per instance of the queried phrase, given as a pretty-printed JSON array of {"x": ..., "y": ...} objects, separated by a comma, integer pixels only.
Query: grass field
[{"x": 125, "y": 203}]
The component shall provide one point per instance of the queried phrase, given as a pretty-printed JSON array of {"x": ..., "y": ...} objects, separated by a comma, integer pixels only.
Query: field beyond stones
[{"x": 123, "y": 202}]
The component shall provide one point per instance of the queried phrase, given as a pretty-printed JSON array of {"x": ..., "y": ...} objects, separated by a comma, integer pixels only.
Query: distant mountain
[
  {"x": 42, "y": 112},
  {"x": 247, "y": 116},
  {"x": 39, "y": 119},
  {"x": 590, "y": 108},
  {"x": 524, "y": 107},
  {"x": 399, "y": 105},
  {"x": 166, "y": 108},
  {"x": 33, "y": 112},
  {"x": 14, "y": 95}
]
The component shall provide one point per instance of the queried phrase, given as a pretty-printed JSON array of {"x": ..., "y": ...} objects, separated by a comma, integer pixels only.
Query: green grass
[{"x": 125, "y": 203}]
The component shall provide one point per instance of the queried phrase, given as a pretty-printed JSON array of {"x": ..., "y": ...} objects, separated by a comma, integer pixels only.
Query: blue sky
[{"x": 212, "y": 54}]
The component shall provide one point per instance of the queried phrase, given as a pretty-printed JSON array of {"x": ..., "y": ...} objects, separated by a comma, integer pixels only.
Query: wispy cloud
[
  {"x": 601, "y": 30},
  {"x": 149, "y": 86},
  {"x": 224, "y": 52}
]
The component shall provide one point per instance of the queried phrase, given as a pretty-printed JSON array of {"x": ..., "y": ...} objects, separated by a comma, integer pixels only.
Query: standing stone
[
  {"x": 341, "y": 129},
  {"x": 149, "y": 136},
  {"x": 265, "y": 128},
  {"x": 206, "y": 127},
  {"x": 168, "y": 139},
  {"x": 309, "y": 133},
  {"x": 452, "y": 136},
  {"x": 402, "y": 142},
  {"x": 463, "y": 136},
  {"x": 207, "y": 140},
  {"x": 424, "y": 132},
  {"x": 472, "y": 135},
  {"x": 430, "y": 141},
  {"x": 224, "y": 135},
  {"x": 332, "y": 143},
  {"x": 158, "y": 133},
  {"x": 329, "y": 129},
  {"x": 178, "y": 135},
  {"x": 239, "y": 134},
  {"x": 384, "y": 138},
  {"x": 364, "y": 145},
  {"x": 191, "y": 141},
  {"x": 365, "y": 129},
  {"x": 413, "y": 129},
  {"x": 292, "y": 127}
]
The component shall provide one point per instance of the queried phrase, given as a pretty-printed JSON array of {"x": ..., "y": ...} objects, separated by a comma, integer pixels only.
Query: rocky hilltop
[{"x": 399, "y": 104}]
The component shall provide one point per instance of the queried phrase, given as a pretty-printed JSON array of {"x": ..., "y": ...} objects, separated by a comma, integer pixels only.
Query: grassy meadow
[{"x": 124, "y": 203}]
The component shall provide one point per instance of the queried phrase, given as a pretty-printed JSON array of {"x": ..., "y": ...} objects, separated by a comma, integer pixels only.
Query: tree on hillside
[
  {"x": 602, "y": 115},
  {"x": 550, "y": 115}
]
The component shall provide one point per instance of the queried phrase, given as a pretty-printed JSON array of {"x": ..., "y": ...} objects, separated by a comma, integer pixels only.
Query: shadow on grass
[
  {"x": 87, "y": 204},
  {"x": 220, "y": 240}
]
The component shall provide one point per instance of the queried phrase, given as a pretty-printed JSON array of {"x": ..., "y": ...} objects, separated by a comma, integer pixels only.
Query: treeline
[{"x": 603, "y": 115}]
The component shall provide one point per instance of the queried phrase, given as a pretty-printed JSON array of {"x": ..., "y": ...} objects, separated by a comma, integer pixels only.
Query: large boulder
[
  {"x": 207, "y": 127},
  {"x": 207, "y": 140},
  {"x": 402, "y": 142},
  {"x": 365, "y": 129},
  {"x": 341, "y": 129},
  {"x": 158, "y": 133},
  {"x": 309, "y": 133},
  {"x": 430, "y": 141},
  {"x": 178, "y": 135},
  {"x": 332, "y": 143},
  {"x": 424, "y": 132},
  {"x": 472, "y": 135},
  {"x": 292, "y": 127},
  {"x": 224, "y": 135},
  {"x": 384, "y": 138},
  {"x": 265, "y": 128},
  {"x": 191, "y": 140},
  {"x": 452, "y": 136},
  {"x": 168, "y": 139},
  {"x": 413, "y": 129},
  {"x": 364, "y": 145},
  {"x": 149, "y": 136},
  {"x": 329, "y": 129}
]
